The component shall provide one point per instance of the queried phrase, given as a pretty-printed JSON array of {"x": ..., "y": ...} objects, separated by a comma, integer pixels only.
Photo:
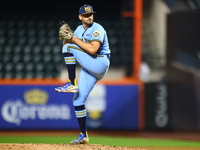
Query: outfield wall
[{"x": 35, "y": 105}]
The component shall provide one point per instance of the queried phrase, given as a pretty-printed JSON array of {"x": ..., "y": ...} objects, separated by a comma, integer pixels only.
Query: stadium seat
[{"x": 29, "y": 47}]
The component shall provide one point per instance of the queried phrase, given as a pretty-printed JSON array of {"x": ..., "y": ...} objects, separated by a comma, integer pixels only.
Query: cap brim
[{"x": 88, "y": 13}]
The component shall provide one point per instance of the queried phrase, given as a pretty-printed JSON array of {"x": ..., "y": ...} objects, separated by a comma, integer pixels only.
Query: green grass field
[{"x": 104, "y": 140}]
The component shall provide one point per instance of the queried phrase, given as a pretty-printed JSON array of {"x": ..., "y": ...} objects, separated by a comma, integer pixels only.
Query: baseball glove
[{"x": 65, "y": 32}]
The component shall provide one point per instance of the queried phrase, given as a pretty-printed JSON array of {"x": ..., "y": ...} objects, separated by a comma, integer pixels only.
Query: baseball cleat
[
  {"x": 81, "y": 140},
  {"x": 69, "y": 87}
]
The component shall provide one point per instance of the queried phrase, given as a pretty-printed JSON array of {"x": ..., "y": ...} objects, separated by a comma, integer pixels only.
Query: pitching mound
[{"x": 62, "y": 147}]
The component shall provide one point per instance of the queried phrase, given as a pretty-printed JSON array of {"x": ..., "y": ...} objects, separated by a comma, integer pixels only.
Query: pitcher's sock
[
  {"x": 70, "y": 62},
  {"x": 81, "y": 117}
]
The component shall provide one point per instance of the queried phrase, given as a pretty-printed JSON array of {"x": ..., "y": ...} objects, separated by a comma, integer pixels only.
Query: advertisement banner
[
  {"x": 35, "y": 107},
  {"x": 40, "y": 107},
  {"x": 157, "y": 106}
]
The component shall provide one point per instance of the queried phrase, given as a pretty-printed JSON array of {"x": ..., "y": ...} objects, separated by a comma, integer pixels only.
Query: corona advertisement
[{"x": 40, "y": 107}]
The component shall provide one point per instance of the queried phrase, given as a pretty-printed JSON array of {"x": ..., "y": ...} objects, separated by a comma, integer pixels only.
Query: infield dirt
[{"x": 62, "y": 147}]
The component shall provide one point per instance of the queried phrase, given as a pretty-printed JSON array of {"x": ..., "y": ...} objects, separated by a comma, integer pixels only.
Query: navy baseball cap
[{"x": 86, "y": 9}]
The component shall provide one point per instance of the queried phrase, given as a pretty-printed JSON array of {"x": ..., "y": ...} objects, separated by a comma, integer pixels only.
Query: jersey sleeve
[{"x": 98, "y": 34}]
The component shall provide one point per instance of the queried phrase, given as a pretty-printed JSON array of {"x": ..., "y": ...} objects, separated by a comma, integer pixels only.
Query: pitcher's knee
[{"x": 67, "y": 47}]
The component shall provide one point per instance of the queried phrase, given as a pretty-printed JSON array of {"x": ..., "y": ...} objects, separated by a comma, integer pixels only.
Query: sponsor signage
[
  {"x": 40, "y": 107},
  {"x": 157, "y": 110}
]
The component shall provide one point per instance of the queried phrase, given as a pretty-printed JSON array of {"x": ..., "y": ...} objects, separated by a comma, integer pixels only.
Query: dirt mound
[{"x": 13, "y": 146}]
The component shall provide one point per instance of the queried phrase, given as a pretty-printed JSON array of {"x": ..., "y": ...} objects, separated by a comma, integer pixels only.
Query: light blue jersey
[
  {"x": 94, "y": 67},
  {"x": 94, "y": 33}
]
